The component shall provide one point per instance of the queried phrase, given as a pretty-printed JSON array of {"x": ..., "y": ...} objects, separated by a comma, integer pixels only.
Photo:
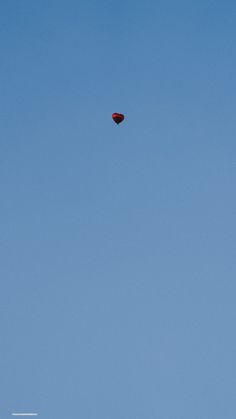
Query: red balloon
[{"x": 118, "y": 117}]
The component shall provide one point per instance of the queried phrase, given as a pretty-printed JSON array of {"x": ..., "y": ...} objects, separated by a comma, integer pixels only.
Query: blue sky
[{"x": 117, "y": 243}]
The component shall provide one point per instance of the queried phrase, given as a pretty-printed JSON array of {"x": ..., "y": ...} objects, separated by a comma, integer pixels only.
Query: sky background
[{"x": 117, "y": 243}]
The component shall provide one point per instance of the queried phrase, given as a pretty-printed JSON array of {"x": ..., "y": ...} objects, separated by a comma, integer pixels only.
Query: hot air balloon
[{"x": 118, "y": 117}]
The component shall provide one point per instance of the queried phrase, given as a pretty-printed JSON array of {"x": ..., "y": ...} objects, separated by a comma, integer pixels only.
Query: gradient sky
[{"x": 117, "y": 243}]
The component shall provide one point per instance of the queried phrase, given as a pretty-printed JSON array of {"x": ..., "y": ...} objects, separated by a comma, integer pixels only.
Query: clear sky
[{"x": 117, "y": 243}]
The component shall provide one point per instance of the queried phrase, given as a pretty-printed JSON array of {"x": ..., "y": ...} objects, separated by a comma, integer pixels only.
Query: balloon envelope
[{"x": 118, "y": 117}]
